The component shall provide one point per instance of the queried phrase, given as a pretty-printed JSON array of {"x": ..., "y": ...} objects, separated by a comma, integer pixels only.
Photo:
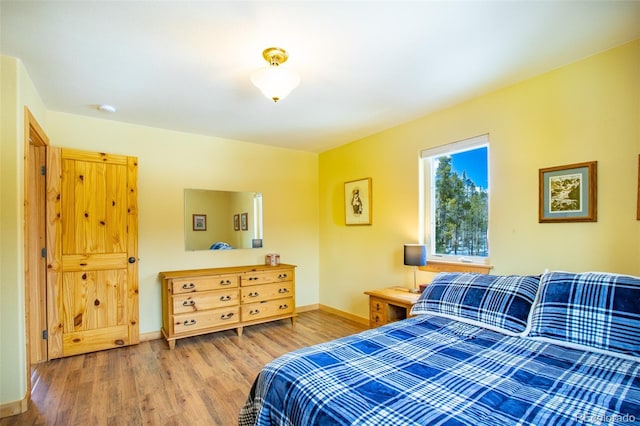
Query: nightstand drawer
[
  {"x": 377, "y": 305},
  {"x": 376, "y": 319}
]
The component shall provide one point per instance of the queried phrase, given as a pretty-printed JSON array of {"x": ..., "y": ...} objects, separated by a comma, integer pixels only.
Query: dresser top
[{"x": 224, "y": 270}]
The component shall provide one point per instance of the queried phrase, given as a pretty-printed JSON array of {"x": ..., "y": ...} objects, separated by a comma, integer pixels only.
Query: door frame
[{"x": 36, "y": 143}]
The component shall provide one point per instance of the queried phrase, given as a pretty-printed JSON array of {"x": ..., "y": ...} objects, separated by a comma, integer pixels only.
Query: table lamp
[{"x": 415, "y": 255}]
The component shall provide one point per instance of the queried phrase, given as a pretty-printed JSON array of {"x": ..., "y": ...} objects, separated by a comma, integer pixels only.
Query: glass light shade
[
  {"x": 415, "y": 254},
  {"x": 275, "y": 82}
]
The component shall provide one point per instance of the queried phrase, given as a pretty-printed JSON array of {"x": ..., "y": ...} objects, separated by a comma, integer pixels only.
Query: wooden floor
[{"x": 203, "y": 381}]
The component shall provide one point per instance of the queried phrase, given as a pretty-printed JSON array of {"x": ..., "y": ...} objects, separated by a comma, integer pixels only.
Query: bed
[{"x": 556, "y": 349}]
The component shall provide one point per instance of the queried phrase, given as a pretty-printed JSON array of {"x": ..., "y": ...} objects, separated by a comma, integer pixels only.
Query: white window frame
[{"x": 427, "y": 196}]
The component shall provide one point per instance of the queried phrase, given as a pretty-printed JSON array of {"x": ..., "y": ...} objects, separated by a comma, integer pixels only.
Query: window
[{"x": 456, "y": 200}]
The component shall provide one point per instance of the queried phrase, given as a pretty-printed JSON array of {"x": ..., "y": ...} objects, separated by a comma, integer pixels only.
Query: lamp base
[{"x": 414, "y": 290}]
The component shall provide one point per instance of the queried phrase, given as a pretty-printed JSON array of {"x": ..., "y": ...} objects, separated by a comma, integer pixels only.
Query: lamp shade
[
  {"x": 415, "y": 254},
  {"x": 275, "y": 82}
]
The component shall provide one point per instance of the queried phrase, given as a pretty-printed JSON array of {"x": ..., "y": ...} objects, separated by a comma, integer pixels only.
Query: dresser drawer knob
[
  {"x": 189, "y": 286},
  {"x": 225, "y": 298},
  {"x": 253, "y": 278},
  {"x": 254, "y": 311},
  {"x": 225, "y": 282},
  {"x": 189, "y": 302},
  {"x": 254, "y": 294},
  {"x": 282, "y": 276},
  {"x": 189, "y": 322},
  {"x": 226, "y": 316},
  {"x": 378, "y": 306},
  {"x": 284, "y": 306},
  {"x": 283, "y": 290}
]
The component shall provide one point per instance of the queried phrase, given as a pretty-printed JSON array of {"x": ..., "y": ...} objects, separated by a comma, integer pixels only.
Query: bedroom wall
[
  {"x": 168, "y": 163},
  {"x": 584, "y": 111},
  {"x": 171, "y": 161},
  {"x": 16, "y": 92}
]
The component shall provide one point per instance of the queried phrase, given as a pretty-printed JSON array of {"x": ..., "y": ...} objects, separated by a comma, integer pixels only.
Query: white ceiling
[{"x": 365, "y": 65}]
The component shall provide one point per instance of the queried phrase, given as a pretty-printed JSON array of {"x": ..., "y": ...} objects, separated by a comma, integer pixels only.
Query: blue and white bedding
[{"x": 437, "y": 370}]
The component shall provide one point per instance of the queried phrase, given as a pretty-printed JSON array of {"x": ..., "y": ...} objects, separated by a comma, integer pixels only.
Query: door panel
[
  {"x": 95, "y": 340},
  {"x": 93, "y": 280}
]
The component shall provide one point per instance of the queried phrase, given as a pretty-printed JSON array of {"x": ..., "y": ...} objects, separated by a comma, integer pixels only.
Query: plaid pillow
[
  {"x": 500, "y": 303},
  {"x": 590, "y": 311}
]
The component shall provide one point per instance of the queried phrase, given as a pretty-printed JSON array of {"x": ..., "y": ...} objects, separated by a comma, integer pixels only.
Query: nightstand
[{"x": 390, "y": 304}]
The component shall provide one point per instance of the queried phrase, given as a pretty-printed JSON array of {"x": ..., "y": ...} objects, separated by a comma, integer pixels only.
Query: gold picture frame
[
  {"x": 244, "y": 221},
  {"x": 199, "y": 222},
  {"x": 357, "y": 202},
  {"x": 568, "y": 193}
]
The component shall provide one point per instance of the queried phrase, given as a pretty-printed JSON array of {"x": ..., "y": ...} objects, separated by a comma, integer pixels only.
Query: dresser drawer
[
  {"x": 188, "y": 323},
  {"x": 264, "y": 292},
  {"x": 189, "y": 285},
  {"x": 254, "y": 311},
  {"x": 200, "y": 301},
  {"x": 254, "y": 278}
]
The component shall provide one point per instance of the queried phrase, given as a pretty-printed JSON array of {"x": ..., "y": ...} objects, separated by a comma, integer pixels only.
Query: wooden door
[{"x": 92, "y": 251}]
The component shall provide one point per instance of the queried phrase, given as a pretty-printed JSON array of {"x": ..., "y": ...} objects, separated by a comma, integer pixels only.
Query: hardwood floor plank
[{"x": 203, "y": 381}]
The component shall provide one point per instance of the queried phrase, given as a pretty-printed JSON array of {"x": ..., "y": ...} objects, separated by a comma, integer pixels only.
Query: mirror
[{"x": 222, "y": 220}]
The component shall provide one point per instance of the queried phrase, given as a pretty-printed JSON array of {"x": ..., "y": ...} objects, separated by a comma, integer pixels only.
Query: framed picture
[
  {"x": 638, "y": 211},
  {"x": 199, "y": 222},
  {"x": 236, "y": 222},
  {"x": 244, "y": 221},
  {"x": 357, "y": 202},
  {"x": 568, "y": 193}
]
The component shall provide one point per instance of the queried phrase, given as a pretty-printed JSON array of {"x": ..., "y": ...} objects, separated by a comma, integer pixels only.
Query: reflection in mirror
[{"x": 222, "y": 220}]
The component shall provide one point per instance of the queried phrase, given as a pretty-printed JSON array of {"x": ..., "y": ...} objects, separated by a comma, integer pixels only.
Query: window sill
[{"x": 440, "y": 266}]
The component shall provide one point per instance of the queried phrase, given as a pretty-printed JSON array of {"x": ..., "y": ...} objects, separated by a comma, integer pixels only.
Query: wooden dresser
[{"x": 201, "y": 301}]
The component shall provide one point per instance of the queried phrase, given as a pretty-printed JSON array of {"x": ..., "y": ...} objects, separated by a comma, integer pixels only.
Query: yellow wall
[
  {"x": 169, "y": 162},
  {"x": 16, "y": 92},
  {"x": 585, "y": 111}
]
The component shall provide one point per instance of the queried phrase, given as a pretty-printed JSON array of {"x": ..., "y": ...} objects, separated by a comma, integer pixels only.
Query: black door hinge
[
  {"x": 43, "y": 170},
  {"x": 43, "y": 252},
  {"x": 45, "y": 334}
]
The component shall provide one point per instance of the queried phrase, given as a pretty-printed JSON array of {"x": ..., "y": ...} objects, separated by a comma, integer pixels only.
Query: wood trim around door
[{"x": 35, "y": 267}]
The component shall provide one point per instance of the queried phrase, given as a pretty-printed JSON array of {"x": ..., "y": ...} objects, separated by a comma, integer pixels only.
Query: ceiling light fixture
[
  {"x": 106, "y": 108},
  {"x": 274, "y": 81}
]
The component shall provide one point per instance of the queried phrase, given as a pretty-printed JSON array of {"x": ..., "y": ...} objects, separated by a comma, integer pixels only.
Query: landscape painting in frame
[
  {"x": 244, "y": 221},
  {"x": 568, "y": 193},
  {"x": 357, "y": 202},
  {"x": 199, "y": 222}
]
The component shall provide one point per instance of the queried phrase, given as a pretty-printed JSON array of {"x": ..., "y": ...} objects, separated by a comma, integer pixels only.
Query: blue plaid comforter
[{"x": 429, "y": 370}]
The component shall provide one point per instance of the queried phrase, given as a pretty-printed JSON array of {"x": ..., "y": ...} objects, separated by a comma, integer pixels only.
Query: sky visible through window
[{"x": 474, "y": 162}]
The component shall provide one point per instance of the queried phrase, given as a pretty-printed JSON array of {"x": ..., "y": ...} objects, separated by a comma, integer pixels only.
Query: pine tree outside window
[{"x": 456, "y": 200}]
